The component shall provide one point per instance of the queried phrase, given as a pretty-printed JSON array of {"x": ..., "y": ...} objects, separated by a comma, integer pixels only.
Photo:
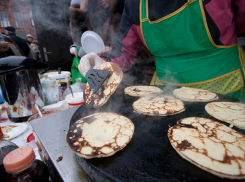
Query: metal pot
[{"x": 21, "y": 86}]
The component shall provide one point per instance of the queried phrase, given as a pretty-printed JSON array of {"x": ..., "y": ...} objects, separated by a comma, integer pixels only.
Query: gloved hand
[
  {"x": 73, "y": 50},
  {"x": 89, "y": 61}
]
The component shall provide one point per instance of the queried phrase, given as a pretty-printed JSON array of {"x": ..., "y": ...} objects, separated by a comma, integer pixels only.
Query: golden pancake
[
  {"x": 100, "y": 135},
  {"x": 140, "y": 91},
  {"x": 230, "y": 112},
  {"x": 158, "y": 105},
  {"x": 194, "y": 94},
  {"x": 107, "y": 88},
  {"x": 210, "y": 145}
]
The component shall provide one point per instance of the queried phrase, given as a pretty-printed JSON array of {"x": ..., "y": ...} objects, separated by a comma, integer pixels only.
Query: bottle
[
  {"x": 21, "y": 165},
  {"x": 5, "y": 147}
]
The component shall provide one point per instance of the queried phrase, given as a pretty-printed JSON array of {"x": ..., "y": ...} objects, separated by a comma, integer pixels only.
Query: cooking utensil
[
  {"x": 21, "y": 86},
  {"x": 96, "y": 78},
  {"x": 71, "y": 91},
  {"x": 39, "y": 110}
]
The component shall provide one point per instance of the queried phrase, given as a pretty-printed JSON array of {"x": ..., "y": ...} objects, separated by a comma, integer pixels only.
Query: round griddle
[{"x": 149, "y": 156}]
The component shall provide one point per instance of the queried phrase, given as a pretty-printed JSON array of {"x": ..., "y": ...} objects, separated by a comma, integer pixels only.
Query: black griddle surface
[{"x": 149, "y": 155}]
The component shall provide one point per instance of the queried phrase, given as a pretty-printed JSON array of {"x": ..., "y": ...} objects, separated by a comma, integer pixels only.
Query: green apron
[
  {"x": 185, "y": 52},
  {"x": 75, "y": 73}
]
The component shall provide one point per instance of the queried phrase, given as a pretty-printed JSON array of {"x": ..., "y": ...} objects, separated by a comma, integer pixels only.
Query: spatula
[{"x": 96, "y": 78}]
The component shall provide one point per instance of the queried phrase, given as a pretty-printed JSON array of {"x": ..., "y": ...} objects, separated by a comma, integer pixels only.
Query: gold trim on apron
[
  {"x": 161, "y": 19},
  {"x": 140, "y": 11},
  {"x": 167, "y": 16},
  {"x": 242, "y": 60},
  {"x": 170, "y": 15}
]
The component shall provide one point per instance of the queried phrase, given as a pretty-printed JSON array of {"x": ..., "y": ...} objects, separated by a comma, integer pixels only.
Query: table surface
[{"x": 51, "y": 130}]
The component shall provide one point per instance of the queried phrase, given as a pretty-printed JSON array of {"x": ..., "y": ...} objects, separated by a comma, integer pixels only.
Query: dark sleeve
[
  {"x": 240, "y": 17},
  {"x": 127, "y": 43},
  {"x": 22, "y": 44}
]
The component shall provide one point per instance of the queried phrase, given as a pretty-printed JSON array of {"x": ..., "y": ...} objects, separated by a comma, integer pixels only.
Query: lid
[
  {"x": 46, "y": 81},
  {"x": 19, "y": 159},
  {"x": 92, "y": 42},
  {"x": 15, "y": 63},
  {"x": 1, "y": 134},
  {"x": 57, "y": 76}
]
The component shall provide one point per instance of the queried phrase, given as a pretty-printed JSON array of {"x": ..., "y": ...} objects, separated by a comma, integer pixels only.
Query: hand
[
  {"x": 84, "y": 5},
  {"x": 107, "y": 50},
  {"x": 89, "y": 61},
  {"x": 73, "y": 50}
]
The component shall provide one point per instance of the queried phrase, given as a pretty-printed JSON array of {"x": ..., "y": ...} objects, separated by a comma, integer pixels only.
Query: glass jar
[
  {"x": 21, "y": 166},
  {"x": 5, "y": 147}
]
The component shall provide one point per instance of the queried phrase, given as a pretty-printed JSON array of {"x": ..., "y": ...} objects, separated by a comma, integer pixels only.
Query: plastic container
[
  {"x": 76, "y": 100},
  {"x": 92, "y": 42},
  {"x": 21, "y": 165},
  {"x": 76, "y": 87},
  {"x": 56, "y": 76},
  {"x": 5, "y": 148},
  {"x": 64, "y": 76}
]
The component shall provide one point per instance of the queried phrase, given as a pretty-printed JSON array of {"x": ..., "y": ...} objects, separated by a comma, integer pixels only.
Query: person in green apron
[
  {"x": 193, "y": 42},
  {"x": 75, "y": 73}
]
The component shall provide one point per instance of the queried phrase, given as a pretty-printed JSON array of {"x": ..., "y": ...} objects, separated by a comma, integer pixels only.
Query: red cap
[
  {"x": 1, "y": 134},
  {"x": 19, "y": 159}
]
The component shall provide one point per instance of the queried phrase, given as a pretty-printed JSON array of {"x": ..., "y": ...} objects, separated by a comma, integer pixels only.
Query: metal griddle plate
[{"x": 149, "y": 156}]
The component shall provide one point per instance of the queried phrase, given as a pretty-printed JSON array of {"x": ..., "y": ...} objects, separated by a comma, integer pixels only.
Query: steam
[{"x": 51, "y": 16}]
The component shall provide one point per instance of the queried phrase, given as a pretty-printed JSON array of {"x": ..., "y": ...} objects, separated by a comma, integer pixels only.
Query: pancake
[
  {"x": 210, "y": 145},
  {"x": 230, "y": 112},
  {"x": 100, "y": 135},
  {"x": 107, "y": 88},
  {"x": 194, "y": 94},
  {"x": 158, "y": 105},
  {"x": 140, "y": 91}
]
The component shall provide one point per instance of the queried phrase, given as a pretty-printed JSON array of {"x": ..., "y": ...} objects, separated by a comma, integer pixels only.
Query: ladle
[
  {"x": 39, "y": 109},
  {"x": 71, "y": 91}
]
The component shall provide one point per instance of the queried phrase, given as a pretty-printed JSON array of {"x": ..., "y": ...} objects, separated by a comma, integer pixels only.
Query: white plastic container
[
  {"x": 76, "y": 87},
  {"x": 76, "y": 100},
  {"x": 63, "y": 77},
  {"x": 55, "y": 75}
]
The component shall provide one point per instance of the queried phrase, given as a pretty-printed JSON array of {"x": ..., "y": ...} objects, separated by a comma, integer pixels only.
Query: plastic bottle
[
  {"x": 21, "y": 166},
  {"x": 5, "y": 147}
]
